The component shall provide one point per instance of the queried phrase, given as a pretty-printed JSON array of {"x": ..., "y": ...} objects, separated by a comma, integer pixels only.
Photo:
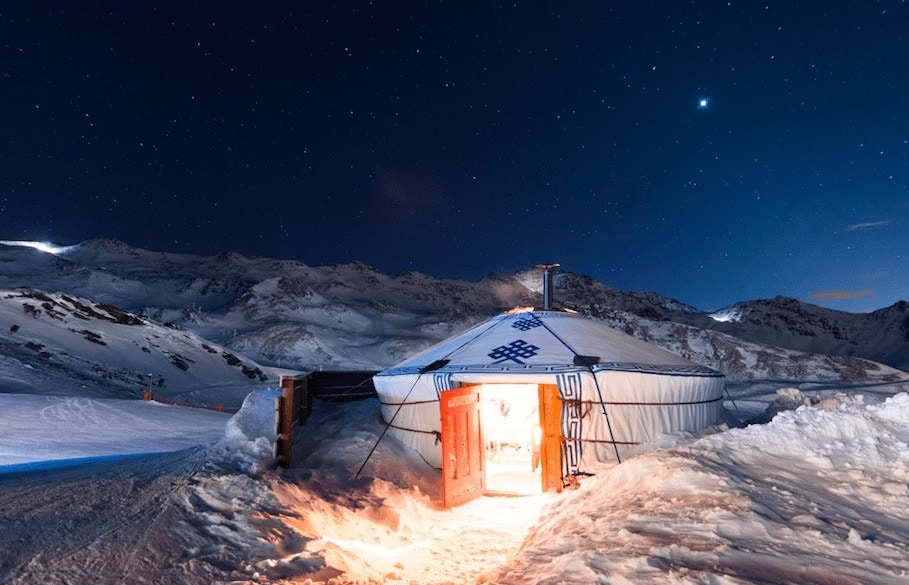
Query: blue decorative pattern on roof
[
  {"x": 527, "y": 323},
  {"x": 514, "y": 351}
]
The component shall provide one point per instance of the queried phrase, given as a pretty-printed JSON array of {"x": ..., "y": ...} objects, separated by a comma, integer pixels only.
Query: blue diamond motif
[
  {"x": 514, "y": 351},
  {"x": 527, "y": 323}
]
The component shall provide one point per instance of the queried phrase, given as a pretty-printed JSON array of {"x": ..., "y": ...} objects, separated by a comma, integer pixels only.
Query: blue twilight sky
[{"x": 713, "y": 152}]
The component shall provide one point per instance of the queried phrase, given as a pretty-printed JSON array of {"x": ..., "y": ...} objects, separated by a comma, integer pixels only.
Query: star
[{"x": 703, "y": 103}]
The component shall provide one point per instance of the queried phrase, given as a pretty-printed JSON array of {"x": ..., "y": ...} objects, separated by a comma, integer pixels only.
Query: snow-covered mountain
[
  {"x": 53, "y": 342},
  {"x": 882, "y": 335},
  {"x": 290, "y": 315}
]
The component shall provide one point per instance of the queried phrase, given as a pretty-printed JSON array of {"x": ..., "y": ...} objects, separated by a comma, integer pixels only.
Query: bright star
[{"x": 703, "y": 103}]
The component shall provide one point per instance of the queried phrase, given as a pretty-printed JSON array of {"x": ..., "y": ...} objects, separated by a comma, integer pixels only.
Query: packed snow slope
[
  {"x": 815, "y": 496},
  {"x": 287, "y": 314},
  {"x": 42, "y": 432},
  {"x": 131, "y": 491}
]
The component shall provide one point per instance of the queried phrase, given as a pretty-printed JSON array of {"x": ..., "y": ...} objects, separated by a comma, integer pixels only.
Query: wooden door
[
  {"x": 551, "y": 444},
  {"x": 463, "y": 455}
]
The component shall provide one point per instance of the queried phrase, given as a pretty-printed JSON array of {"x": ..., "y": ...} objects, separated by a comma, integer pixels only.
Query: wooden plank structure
[
  {"x": 290, "y": 414},
  {"x": 341, "y": 386},
  {"x": 463, "y": 447},
  {"x": 293, "y": 407},
  {"x": 551, "y": 439}
]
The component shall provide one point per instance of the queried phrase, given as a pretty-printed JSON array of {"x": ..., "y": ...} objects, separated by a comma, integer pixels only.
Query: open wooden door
[
  {"x": 463, "y": 454},
  {"x": 551, "y": 444}
]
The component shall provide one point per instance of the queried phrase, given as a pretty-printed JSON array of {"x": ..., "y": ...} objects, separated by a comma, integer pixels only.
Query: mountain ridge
[{"x": 286, "y": 314}]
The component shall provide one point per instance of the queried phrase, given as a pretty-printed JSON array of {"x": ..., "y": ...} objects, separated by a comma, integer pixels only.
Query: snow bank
[
  {"x": 818, "y": 495},
  {"x": 248, "y": 441}
]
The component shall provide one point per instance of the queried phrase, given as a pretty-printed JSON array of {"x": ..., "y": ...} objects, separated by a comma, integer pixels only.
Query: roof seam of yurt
[{"x": 588, "y": 362}]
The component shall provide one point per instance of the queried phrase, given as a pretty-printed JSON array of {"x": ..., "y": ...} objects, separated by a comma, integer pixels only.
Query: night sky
[{"x": 713, "y": 152}]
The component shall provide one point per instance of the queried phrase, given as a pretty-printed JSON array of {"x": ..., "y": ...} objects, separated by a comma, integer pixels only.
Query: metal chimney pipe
[{"x": 547, "y": 285}]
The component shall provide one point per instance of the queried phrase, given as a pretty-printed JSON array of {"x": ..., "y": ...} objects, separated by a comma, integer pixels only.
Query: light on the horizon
[
  {"x": 728, "y": 315},
  {"x": 46, "y": 247}
]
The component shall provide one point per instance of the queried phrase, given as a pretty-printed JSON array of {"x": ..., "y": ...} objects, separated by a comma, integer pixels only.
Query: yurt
[{"x": 540, "y": 391}]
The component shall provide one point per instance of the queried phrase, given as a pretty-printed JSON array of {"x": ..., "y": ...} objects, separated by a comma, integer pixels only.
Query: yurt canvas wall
[{"x": 615, "y": 390}]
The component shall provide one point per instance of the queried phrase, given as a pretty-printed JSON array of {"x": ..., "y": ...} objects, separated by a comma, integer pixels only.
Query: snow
[
  {"x": 386, "y": 526},
  {"x": 249, "y": 438},
  {"x": 816, "y": 495},
  {"x": 730, "y": 314},
  {"x": 52, "y": 343},
  {"x": 54, "y": 429}
]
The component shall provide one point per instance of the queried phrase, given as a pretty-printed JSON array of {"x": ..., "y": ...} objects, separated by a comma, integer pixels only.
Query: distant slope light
[
  {"x": 728, "y": 315},
  {"x": 42, "y": 246}
]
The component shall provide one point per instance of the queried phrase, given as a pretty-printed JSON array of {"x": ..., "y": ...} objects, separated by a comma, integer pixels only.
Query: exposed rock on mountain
[{"x": 56, "y": 340}]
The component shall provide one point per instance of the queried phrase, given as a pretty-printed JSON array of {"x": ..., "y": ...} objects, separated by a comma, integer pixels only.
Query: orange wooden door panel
[
  {"x": 551, "y": 447},
  {"x": 463, "y": 455}
]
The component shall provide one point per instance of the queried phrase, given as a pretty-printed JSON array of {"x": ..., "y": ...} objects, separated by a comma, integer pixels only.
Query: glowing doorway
[{"x": 510, "y": 415}]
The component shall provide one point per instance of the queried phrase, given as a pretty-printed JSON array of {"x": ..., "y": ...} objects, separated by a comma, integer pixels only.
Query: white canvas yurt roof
[
  {"x": 629, "y": 391},
  {"x": 525, "y": 341}
]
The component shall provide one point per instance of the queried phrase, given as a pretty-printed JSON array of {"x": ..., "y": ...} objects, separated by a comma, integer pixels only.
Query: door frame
[{"x": 464, "y": 447}]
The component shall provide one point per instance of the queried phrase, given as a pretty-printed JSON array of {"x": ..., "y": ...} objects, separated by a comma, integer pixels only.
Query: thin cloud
[
  {"x": 843, "y": 294},
  {"x": 867, "y": 224}
]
